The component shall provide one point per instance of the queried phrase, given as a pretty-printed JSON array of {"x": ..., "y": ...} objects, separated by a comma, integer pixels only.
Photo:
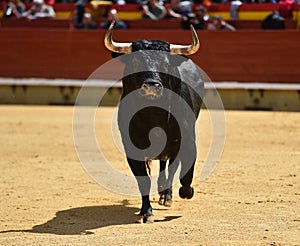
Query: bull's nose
[
  {"x": 152, "y": 83},
  {"x": 152, "y": 89}
]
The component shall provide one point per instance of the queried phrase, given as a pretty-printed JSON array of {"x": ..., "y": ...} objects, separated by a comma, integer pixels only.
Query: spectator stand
[{"x": 249, "y": 15}]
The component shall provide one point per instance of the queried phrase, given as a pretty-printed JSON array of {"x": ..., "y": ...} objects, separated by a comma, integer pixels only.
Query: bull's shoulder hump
[{"x": 190, "y": 72}]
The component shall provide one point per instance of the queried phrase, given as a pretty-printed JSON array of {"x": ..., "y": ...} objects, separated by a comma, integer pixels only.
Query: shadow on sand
[{"x": 78, "y": 221}]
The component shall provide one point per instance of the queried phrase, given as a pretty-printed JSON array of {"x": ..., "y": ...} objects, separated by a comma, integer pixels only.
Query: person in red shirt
[{"x": 285, "y": 8}]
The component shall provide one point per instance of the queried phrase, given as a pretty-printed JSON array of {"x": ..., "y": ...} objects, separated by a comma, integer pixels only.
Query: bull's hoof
[
  {"x": 168, "y": 203},
  {"x": 165, "y": 200},
  {"x": 186, "y": 192},
  {"x": 147, "y": 219},
  {"x": 161, "y": 200}
]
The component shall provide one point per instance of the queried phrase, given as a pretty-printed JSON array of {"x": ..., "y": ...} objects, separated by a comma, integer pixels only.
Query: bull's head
[
  {"x": 149, "y": 82},
  {"x": 126, "y": 48}
]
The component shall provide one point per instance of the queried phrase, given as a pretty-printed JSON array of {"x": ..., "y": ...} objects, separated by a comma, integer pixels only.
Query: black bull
[{"x": 165, "y": 93}]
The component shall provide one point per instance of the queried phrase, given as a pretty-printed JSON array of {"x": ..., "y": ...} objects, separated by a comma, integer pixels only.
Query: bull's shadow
[{"x": 82, "y": 220}]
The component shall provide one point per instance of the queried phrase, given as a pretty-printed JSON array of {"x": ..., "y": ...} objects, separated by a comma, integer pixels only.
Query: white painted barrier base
[{"x": 241, "y": 96}]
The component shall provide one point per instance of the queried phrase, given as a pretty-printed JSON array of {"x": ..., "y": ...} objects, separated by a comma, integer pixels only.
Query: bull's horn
[
  {"x": 114, "y": 46},
  {"x": 186, "y": 49}
]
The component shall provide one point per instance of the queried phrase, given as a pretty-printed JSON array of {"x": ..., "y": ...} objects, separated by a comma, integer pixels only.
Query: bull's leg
[
  {"x": 139, "y": 170},
  {"x": 162, "y": 182},
  {"x": 173, "y": 166},
  {"x": 188, "y": 159}
]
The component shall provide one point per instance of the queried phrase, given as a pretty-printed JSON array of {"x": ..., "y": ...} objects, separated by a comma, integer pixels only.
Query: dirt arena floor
[{"x": 252, "y": 197}]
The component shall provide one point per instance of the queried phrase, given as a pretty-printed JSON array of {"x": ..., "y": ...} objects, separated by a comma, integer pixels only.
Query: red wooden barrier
[
  {"x": 36, "y": 23},
  {"x": 256, "y": 24},
  {"x": 154, "y": 24},
  {"x": 258, "y": 56}
]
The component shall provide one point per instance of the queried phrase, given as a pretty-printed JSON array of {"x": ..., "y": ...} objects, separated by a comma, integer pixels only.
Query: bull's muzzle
[{"x": 151, "y": 89}]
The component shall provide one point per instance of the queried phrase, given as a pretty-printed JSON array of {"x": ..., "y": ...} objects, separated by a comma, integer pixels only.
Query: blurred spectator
[
  {"x": 14, "y": 8},
  {"x": 179, "y": 8},
  {"x": 173, "y": 10},
  {"x": 218, "y": 24},
  {"x": 198, "y": 20},
  {"x": 79, "y": 13},
  {"x": 202, "y": 17},
  {"x": 49, "y": 2},
  {"x": 87, "y": 22},
  {"x": 153, "y": 9},
  {"x": 234, "y": 8},
  {"x": 83, "y": 19},
  {"x": 218, "y": 1},
  {"x": 285, "y": 8},
  {"x": 120, "y": 2},
  {"x": 133, "y": 1},
  {"x": 190, "y": 19},
  {"x": 206, "y": 3},
  {"x": 113, "y": 15},
  {"x": 273, "y": 21},
  {"x": 39, "y": 10},
  {"x": 259, "y": 1}
]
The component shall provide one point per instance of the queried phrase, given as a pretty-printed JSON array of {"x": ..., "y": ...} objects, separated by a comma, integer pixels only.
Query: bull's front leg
[
  {"x": 139, "y": 170},
  {"x": 188, "y": 158}
]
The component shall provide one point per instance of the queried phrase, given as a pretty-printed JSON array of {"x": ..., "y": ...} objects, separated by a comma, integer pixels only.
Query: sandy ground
[{"x": 252, "y": 198}]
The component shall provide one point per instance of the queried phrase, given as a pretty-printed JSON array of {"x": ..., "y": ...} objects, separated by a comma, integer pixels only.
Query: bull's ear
[
  {"x": 121, "y": 56},
  {"x": 115, "y": 54}
]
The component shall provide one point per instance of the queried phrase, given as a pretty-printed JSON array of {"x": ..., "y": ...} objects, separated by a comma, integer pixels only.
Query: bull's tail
[{"x": 148, "y": 166}]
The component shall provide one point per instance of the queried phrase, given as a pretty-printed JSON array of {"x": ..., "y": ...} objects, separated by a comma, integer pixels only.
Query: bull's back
[{"x": 192, "y": 85}]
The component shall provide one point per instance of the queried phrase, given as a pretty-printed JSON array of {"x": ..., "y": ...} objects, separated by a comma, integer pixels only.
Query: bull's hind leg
[
  {"x": 139, "y": 170},
  {"x": 187, "y": 171},
  {"x": 162, "y": 182},
  {"x": 165, "y": 185},
  {"x": 173, "y": 166}
]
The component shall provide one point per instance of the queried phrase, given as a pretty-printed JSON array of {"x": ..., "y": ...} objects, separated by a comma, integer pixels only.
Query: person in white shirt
[{"x": 39, "y": 10}]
